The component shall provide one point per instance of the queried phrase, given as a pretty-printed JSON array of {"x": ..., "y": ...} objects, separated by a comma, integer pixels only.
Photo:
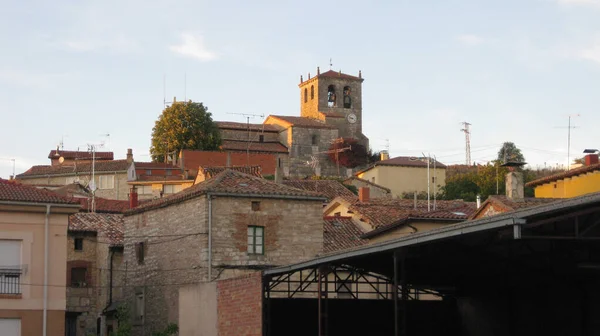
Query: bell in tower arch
[{"x": 331, "y": 96}]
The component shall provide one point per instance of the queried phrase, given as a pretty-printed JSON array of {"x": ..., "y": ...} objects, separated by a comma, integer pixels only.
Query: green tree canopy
[
  {"x": 510, "y": 151},
  {"x": 184, "y": 125}
]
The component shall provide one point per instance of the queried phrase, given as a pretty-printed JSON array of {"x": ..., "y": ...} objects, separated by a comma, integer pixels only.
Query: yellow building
[
  {"x": 406, "y": 175},
  {"x": 572, "y": 183}
]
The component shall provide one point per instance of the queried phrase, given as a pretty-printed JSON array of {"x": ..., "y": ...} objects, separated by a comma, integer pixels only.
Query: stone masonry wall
[
  {"x": 242, "y": 135},
  {"x": 302, "y": 150},
  {"x": 119, "y": 192},
  {"x": 239, "y": 306},
  {"x": 83, "y": 299}
]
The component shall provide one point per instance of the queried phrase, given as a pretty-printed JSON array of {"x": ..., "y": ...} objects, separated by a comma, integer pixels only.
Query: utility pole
[
  {"x": 569, "y": 141},
  {"x": 428, "y": 181},
  {"x": 92, "y": 149},
  {"x": 467, "y": 132},
  {"x": 248, "y": 116},
  {"x": 434, "y": 183}
]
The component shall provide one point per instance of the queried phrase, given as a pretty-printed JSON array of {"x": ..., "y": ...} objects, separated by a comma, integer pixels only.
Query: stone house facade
[{"x": 220, "y": 228}]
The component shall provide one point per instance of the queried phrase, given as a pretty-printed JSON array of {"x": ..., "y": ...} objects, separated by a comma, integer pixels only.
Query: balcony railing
[{"x": 10, "y": 279}]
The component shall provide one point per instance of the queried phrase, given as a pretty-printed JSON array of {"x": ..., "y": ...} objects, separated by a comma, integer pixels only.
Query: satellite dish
[
  {"x": 92, "y": 186},
  {"x": 61, "y": 160}
]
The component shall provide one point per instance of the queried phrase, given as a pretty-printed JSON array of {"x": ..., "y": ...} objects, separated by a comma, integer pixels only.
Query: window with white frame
[
  {"x": 144, "y": 190},
  {"x": 10, "y": 266},
  {"x": 106, "y": 182},
  {"x": 256, "y": 241},
  {"x": 10, "y": 327},
  {"x": 171, "y": 188}
]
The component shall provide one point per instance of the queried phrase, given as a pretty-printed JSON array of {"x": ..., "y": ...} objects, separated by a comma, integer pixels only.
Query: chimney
[
  {"x": 363, "y": 194},
  {"x": 591, "y": 159},
  {"x": 515, "y": 188},
  {"x": 228, "y": 160},
  {"x": 384, "y": 155},
  {"x": 278, "y": 171},
  {"x": 133, "y": 198},
  {"x": 129, "y": 155},
  {"x": 478, "y": 201}
]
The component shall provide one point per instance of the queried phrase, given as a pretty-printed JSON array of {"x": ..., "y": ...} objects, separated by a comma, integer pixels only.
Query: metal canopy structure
[{"x": 518, "y": 259}]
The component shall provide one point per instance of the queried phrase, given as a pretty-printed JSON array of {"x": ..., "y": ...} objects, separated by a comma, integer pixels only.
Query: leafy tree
[
  {"x": 461, "y": 187},
  {"x": 372, "y": 156},
  {"x": 171, "y": 329},
  {"x": 356, "y": 155},
  {"x": 184, "y": 125},
  {"x": 510, "y": 151}
]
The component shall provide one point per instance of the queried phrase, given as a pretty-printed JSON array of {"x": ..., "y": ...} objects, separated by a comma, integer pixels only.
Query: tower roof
[{"x": 333, "y": 74}]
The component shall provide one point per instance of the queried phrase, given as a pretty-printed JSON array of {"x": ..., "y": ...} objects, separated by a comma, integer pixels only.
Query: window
[
  {"x": 331, "y": 96},
  {"x": 10, "y": 326},
  {"x": 256, "y": 243},
  {"x": 145, "y": 190},
  {"x": 312, "y": 92},
  {"x": 261, "y": 138},
  {"x": 106, "y": 182},
  {"x": 140, "y": 252},
  {"x": 169, "y": 172},
  {"x": 255, "y": 206},
  {"x": 78, "y": 244},
  {"x": 139, "y": 306},
  {"x": 10, "y": 267},
  {"x": 148, "y": 172},
  {"x": 171, "y": 188},
  {"x": 314, "y": 140},
  {"x": 347, "y": 99},
  {"x": 305, "y": 95},
  {"x": 78, "y": 277}
]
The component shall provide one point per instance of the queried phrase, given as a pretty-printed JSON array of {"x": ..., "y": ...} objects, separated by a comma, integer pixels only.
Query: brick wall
[{"x": 239, "y": 306}]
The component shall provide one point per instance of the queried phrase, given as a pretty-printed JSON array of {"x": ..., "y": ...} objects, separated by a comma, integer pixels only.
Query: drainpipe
[
  {"x": 45, "y": 314},
  {"x": 209, "y": 237}
]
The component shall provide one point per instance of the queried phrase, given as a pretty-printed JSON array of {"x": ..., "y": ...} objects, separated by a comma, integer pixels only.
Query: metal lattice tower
[{"x": 467, "y": 132}]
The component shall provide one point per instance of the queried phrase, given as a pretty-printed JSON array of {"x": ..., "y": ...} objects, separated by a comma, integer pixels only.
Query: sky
[{"x": 77, "y": 71}]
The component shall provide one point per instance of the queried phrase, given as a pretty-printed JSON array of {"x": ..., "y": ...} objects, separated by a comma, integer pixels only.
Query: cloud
[
  {"x": 192, "y": 45},
  {"x": 470, "y": 39},
  {"x": 594, "y": 3}
]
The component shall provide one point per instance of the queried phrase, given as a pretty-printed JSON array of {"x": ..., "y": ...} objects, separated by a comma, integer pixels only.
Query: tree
[
  {"x": 184, "y": 125},
  {"x": 462, "y": 186},
  {"x": 510, "y": 152},
  {"x": 348, "y": 152}
]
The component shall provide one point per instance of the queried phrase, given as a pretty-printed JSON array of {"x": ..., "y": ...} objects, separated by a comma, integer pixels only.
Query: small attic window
[
  {"x": 261, "y": 138},
  {"x": 255, "y": 206},
  {"x": 314, "y": 140}
]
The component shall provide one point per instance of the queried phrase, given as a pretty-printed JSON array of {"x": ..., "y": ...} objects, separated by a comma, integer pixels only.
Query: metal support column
[
  {"x": 266, "y": 307},
  {"x": 395, "y": 293},
  {"x": 404, "y": 301},
  {"x": 322, "y": 274}
]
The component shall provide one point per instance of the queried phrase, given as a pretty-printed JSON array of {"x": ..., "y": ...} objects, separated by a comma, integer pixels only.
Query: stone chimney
[
  {"x": 515, "y": 188},
  {"x": 363, "y": 194},
  {"x": 384, "y": 155},
  {"x": 133, "y": 198},
  {"x": 129, "y": 155},
  {"x": 278, "y": 171},
  {"x": 591, "y": 159}
]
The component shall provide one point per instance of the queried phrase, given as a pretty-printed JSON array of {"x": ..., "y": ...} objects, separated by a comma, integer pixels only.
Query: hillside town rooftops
[
  {"x": 329, "y": 188},
  {"x": 405, "y": 161},
  {"x": 76, "y": 169},
  {"x": 11, "y": 191},
  {"x": 105, "y": 225},
  {"x": 80, "y": 155},
  {"x": 341, "y": 233}
]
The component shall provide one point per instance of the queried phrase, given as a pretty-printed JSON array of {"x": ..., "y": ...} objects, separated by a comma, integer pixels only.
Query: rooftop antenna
[
  {"x": 569, "y": 127},
  {"x": 92, "y": 149},
  {"x": 467, "y": 132},
  {"x": 248, "y": 116},
  {"x": 330, "y": 63}
]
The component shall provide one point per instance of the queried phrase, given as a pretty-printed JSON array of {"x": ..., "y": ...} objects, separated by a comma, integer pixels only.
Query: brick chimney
[
  {"x": 133, "y": 198},
  {"x": 129, "y": 155},
  {"x": 515, "y": 188},
  {"x": 363, "y": 194},
  {"x": 591, "y": 159}
]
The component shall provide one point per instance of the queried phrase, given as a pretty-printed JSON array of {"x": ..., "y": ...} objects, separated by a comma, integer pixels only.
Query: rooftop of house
[
  {"x": 509, "y": 204},
  {"x": 231, "y": 183},
  {"x": 210, "y": 172},
  {"x": 76, "y": 168},
  {"x": 238, "y": 126},
  {"x": 79, "y": 155},
  {"x": 371, "y": 184},
  {"x": 564, "y": 175},
  {"x": 11, "y": 191},
  {"x": 193, "y": 159},
  {"x": 334, "y": 74},
  {"x": 103, "y": 205},
  {"x": 105, "y": 225},
  {"x": 155, "y": 165},
  {"x": 253, "y": 146},
  {"x": 330, "y": 188},
  {"x": 340, "y": 233},
  {"x": 298, "y": 122},
  {"x": 405, "y": 161}
]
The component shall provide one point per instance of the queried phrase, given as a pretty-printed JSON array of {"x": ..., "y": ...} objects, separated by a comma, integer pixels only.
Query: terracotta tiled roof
[
  {"x": 300, "y": 122},
  {"x": 14, "y": 192},
  {"x": 103, "y": 205},
  {"x": 154, "y": 165},
  {"x": 340, "y": 233},
  {"x": 79, "y": 155},
  {"x": 230, "y": 182},
  {"x": 374, "y": 185},
  {"x": 507, "y": 204},
  {"x": 211, "y": 172},
  {"x": 266, "y": 147},
  {"x": 79, "y": 168},
  {"x": 338, "y": 74},
  {"x": 329, "y": 188},
  {"x": 162, "y": 178},
  {"x": 193, "y": 159},
  {"x": 405, "y": 161},
  {"x": 244, "y": 126},
  {"x": 105, "y": 225},
  {"x": 456, "y": 214},
  {"x": 564, "y": 175}
]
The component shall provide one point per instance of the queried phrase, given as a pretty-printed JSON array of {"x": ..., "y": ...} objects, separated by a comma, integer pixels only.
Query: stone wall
[
  {"x": 243, "y": 135},
  {"x": 119, "y": 192},
  {"x": 310, "y": 107},
  {"x": 302, "y": 150},
  {"x": 83, "y": 299}
]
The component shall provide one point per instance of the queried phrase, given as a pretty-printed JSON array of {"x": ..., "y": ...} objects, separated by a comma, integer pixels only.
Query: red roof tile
[
  {"x": 103, "y": 205},
  {"x": 301, "y": 122},
  {"x": 564, "y": 175},
  {"x": 211, "y": 172},
  {"x": 254, "y": 146},
  {"x": 15, "y": 192},
  {"x": 338, "y": 74},
  {"x": 374, "y": 185},
  {"x": 244, "y": 126},
  {"x": 233, "y": 183},
  {"x": 79, "y": 155},
  {"x": 508, "y": 204},
  {"x": 193, "y": 159},
  {"x": 105, "y": 225},
  {"x": 329, "y": 188},
  {"x": 340, "y": 233},
  {"x": 73, "y": 169},
  {"x": 405, "y": 161}
]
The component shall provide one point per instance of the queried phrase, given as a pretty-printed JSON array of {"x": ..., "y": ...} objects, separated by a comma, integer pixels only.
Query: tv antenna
[
  {"x": 569, "y": 127},
  {"x": 248, "y": 116},
  {"x": 467, "y": 132},
  {"x": 92, "y": 185}
]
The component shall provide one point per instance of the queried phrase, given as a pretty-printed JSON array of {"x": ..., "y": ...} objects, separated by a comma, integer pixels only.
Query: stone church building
[{"x": 330, "y": 110}]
